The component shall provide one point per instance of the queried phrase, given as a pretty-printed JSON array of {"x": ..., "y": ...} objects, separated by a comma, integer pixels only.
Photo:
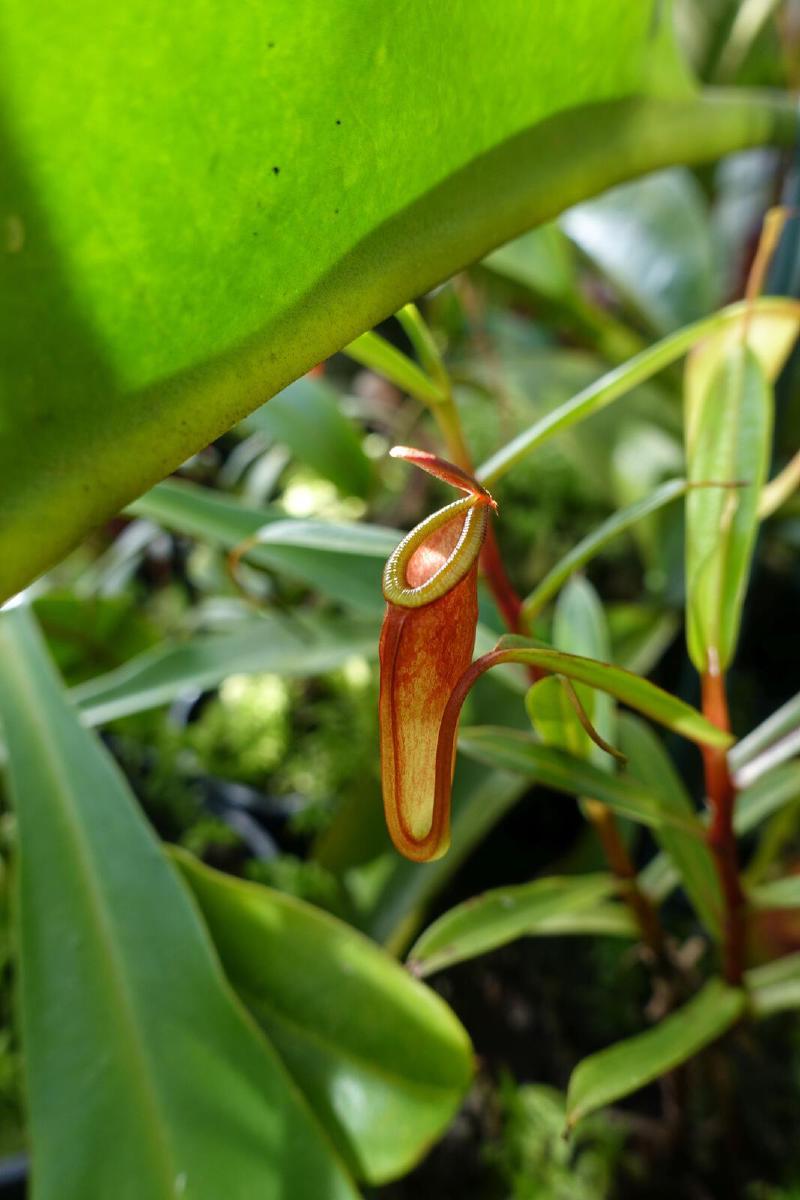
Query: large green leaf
[
  {"x": 611, "y": 1074},
  {"x": 379, "y": 1056},
  {"x": 554, "y": 904},
  {"x": 146, "y": 1079},
  {"x": 203, "y": 200}
]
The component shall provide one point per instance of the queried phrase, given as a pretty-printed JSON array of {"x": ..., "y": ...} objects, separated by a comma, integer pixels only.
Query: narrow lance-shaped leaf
[
  {"x": 373, "y": 351},
  {"x": 145, "y": 1077},
  {"x": 514, "y": 750},
  {"x": 785, "y": 720},
  {"x": 649, "y": 763},
  {"x": 728, "y": 435},
  {"x": 611, "y": 1074},
  {"x": 780, "y": 312},
  {"x": 339, "y": 560},
  {"x": 296, "y": 646},
  {"x": 630, "y": 689},
  {"x": 596, "y": 541},
  {"x": 775, "y": 986},
  {"x": 557, "y": 904}
]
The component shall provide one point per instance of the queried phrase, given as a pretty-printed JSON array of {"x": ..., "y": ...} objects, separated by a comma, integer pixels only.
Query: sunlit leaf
[{"x": 250, "y": 187}]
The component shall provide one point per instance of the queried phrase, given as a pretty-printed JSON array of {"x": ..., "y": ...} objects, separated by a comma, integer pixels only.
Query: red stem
[{"x": 721, "y": 837}]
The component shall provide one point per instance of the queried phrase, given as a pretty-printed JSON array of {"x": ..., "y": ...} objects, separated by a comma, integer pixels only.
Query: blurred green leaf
[
  {"x": 594, "y": 542},
  {"x": 555, "y": 904},
  {"x": 640, "y": 633},
  {"x": 784, "y": 720},
  {"x": 777, "y": 893},
  {"x": 769, "y": 793},
  {"x": 644, "y": 458},
  {"x": 90, "y": 634},
  {"x": 651, "y": 239},
  {"x": 380, "y": 1058},
  {"x": 772, "y": 313},
  {"x": 390, "y": 893},
  {"x": 307, "y": 418},
  {"x": 627, "y": 1066},
  {"x": 775, "y": 986},
  {"x": 630, "y": 689},
  {"x": 373, "y": 351},
  {"x": 649, "y": 762},
  {"x": 543, "y": 259},
  {"x": 343, "y": 561},
  {"x": 514, "y": 750},
  {"x": 754, "y": 804},
  {"x": 134, "y": 1043},
  {"x": 294, "y": 646},
  {"x": 721, "y": 523}
]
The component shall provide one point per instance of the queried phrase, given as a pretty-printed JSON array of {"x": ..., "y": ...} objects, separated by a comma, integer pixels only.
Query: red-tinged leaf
[{"x": 440, "y": 468}]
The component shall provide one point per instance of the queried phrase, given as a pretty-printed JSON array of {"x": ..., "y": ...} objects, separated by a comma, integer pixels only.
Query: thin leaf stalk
[
  {"x": 721, "y": 838},
  {"x": 616, "y": 853}
]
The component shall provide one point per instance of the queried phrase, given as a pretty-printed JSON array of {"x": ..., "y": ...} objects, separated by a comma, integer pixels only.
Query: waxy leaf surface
[
  {"x": 145, "y": 1077},
  {"x": 201, "y": 201}
]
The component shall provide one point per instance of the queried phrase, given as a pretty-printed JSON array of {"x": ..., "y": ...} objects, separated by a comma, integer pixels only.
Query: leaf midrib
[{"x": 111, "y": 959}]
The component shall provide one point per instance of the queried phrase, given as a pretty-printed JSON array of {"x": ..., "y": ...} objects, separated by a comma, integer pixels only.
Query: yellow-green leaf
[{"x": 200, "y": 201}]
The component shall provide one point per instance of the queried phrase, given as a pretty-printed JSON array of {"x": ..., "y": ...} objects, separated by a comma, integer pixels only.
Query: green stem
[{"x": 620, "y": 381}]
